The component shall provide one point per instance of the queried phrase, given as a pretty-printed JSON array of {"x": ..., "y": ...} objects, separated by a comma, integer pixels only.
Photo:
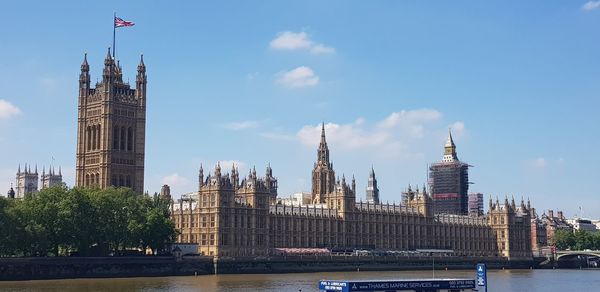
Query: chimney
[
  {"x": 533, "y": 214},
  {"x": 551, "y": 213},
  {"x": 560, "y": 215}
]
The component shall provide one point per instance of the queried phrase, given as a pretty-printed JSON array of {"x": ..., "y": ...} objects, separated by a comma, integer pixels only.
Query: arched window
[
  {"x": 128, "y": 183},
  {"x": 116, "y": 138},
  {"x": 123, "y": 137},
  {"x": 87, "y": 179},
  {"x": 98, "y": 179},
  {"x": 129, "y": 139},
  {"x": 114, "y": 180},
  {"x": 121, "y": 182},
  {"x": 98, "y": 138},
  {"x": 89, "y": 137},
  {"x": 93, "y": 137}
]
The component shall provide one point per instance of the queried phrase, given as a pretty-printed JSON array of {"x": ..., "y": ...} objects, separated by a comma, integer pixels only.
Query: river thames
[{"x": 499, "y": 280}]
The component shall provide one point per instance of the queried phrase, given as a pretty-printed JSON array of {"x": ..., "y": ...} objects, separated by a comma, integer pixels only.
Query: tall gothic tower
[
  {"x": 372, "y": 189},
  {"x": 449, "y": 182},
  {"x": 323, "y": 176},
  {"x": 111, "y": 128}
]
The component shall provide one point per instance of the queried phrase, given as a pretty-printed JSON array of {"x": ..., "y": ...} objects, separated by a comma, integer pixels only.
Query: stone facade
[
  {"x": 27, "y": 181},
  {"x": 51, "y": 178},
  {"x": 227, "y": 218},
  {"x": 111, "y": 128},
  {"x": 512, "y": 226}
]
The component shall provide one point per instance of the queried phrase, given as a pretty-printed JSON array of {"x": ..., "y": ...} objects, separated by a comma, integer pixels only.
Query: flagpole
[{"x": 114, "y": 33}]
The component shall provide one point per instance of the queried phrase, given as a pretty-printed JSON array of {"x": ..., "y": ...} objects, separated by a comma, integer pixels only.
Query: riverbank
[{"x": 150, "y": 266}]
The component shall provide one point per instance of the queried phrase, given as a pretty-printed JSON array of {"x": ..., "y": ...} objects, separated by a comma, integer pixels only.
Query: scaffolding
[{"x": 449, "y": 186}]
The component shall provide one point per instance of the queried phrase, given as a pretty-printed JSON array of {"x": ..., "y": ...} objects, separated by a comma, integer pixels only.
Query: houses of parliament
[{"x": 232, "y": 217}]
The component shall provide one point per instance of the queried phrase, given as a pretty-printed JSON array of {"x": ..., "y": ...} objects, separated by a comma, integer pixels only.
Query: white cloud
[
  {"x": 241, "y": 125},
  {"x": 8, "y": 110},
  {"x": 300, "y": 77},
  {"x": 458, "y": 128},
  {"x": 545, "y": 163},
  {"x": 410, "y": 117},
  {"x": 322, "y": 49},
  {"x": 391, "y": 136},
  {"x": 539, "y": 162},
  {"x": 347, "y": 135},
  {"x": 226, "y": 165},
  {"x": 412, "y": 121},
  {"x": 591, "y": 5},
  {"x": 177, "y": 183},
  {"x": 278, "y": 136},
  {"x": 289, "y": 40}
]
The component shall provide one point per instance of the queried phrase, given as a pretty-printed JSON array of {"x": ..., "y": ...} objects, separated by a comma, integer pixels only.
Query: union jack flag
[{"x": 121, "y": 23}]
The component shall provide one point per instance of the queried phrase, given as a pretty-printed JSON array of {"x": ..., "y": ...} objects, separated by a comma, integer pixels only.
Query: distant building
[
  {"x": 27, "y": 181},
  {"x": 449, "y": 182},
  {"x": 555, "y": 223},
  {"x": 296, "y": 199},
  {"x": 475, "y": 204},
  {"x": 539, "y": 235},
  {"x": 165, "y": 192},
  {"x": 11, "y": 193},
  {"x": 51, "y": 178},
  {"x": 582, "y": 224},
  {"x": 372, "y": 189}
]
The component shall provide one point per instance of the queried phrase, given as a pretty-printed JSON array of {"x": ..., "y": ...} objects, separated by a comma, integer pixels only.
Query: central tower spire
[
  {"x": 323, "y": 151},
  {"x": 323, "y": 176}
]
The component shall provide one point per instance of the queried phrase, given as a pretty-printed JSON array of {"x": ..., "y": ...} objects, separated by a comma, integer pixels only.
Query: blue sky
[{"x": 518, "y": 81}]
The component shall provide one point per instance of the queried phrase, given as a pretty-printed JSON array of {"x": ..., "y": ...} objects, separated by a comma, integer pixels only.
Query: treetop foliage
[{"x": 84, "y": 221}]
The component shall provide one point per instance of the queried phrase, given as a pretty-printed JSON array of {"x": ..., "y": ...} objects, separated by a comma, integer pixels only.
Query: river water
[{"x": 499, "y": 280}]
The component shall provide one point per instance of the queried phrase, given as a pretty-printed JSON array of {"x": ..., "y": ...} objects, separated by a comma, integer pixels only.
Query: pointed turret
[
  {"x": 140, "y": 82},
  {"x": 85, "y": 67},
  {"x": 109, "y": 74},
  {"x": 141, "y": 67},
  {"x": 19, "y": 171}
]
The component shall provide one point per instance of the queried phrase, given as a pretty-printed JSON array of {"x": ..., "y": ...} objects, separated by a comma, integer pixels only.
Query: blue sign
[
  {"x": 398, "y": 285},
  {"x": 482, "y": 275}
]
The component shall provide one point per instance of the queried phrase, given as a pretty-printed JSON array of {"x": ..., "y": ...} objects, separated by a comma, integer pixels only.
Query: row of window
[
  {"x": 123, "y": 138},
  {"x": 93, "y": 134}
]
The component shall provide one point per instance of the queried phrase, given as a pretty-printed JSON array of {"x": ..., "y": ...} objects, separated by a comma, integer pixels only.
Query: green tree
[
  {"x": 90, "y": 221},
  {"x": 563, "y": 239}
]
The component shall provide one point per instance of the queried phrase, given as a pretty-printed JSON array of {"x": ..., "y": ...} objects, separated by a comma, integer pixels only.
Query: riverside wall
[{"x": 12, "y": 269}]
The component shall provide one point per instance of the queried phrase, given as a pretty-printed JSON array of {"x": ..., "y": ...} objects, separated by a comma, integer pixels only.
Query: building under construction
[{"x": 449, "y": 182}]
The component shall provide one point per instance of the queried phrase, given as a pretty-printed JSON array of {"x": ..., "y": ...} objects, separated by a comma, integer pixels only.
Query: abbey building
[{"x": 233, "y": 217}]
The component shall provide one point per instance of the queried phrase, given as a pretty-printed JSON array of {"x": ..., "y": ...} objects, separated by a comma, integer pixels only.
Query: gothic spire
[
  {"x": 85, "y": 66},
  {"x": 142, "y": 66},
  {"x": 323, "y": 152},
  {"x": 108, "y": 57}
]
